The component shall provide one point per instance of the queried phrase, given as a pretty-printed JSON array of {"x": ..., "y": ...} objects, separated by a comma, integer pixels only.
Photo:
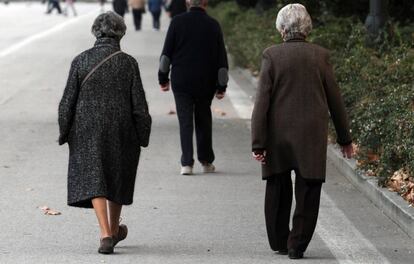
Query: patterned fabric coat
[
  {"x": 105, "y": 122},
  {"x": 297, "y": 91}
]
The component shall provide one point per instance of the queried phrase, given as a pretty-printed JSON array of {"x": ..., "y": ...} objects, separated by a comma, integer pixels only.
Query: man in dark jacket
[{"x": 194, "y": 47}]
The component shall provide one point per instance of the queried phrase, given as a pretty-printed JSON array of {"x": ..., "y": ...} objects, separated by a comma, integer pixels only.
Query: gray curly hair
[
  {"x": 293, "y": 19},
  {"x": 109, "y": 25}
]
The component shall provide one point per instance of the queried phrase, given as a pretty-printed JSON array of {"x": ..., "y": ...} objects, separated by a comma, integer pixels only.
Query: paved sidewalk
[{"x": 215, "y": 218}]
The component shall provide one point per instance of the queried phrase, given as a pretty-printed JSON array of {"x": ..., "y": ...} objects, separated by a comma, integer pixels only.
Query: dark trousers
[
  {"x": 156, "y": 19},
  {"x": 52, "y": 5},
  {"x": 278, "y": 203},
  {"x": 137, "y": 14},
  {"x": 190, "y": 111}
]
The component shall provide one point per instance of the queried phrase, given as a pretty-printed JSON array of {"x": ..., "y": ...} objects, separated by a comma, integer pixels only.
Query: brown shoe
[
  {"x": 107, "y": 246},
  {"x": 122, "y": 234}
]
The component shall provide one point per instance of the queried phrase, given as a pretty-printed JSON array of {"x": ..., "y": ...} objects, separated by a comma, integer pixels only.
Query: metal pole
[{"x": 377, "y": 17}]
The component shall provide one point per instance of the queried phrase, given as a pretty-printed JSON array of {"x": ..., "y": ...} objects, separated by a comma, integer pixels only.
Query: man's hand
[
  {"x": 165, "y": 87},
  {"x": 347, "y": 151},
  {"x": 220, "y": 95},
  {"x": 260, "y": 156}
]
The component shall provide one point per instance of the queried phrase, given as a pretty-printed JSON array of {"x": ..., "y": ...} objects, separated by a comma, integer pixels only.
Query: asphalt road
[{"x": 215, "y": 218}]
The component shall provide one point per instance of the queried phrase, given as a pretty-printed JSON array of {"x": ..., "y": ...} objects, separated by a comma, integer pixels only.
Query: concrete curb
[{"x": 396, "y": 208}]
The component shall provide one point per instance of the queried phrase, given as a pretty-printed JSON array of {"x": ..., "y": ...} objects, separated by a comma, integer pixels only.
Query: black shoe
[
  {"x": 122, "y": 234},
  {"x": 295, "y": 254},
  {"x": 107, "y": 246},
  {"x": 282, "y": 251}
]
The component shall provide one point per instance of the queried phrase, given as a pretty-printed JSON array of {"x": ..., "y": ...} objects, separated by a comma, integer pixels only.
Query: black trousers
[
  {"x": 137, "y": 14},
  {"x": 52, "y": 5},
  {"x": 278, "y": 203},
  {"x": 193, "y": 110},
  {"x": 156, "y": 19}
]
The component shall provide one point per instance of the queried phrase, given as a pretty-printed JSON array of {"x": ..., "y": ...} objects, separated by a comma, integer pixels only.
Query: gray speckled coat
[{"x": 104, "y": 122}]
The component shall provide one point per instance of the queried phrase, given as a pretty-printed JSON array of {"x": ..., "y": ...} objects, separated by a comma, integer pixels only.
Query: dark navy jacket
[{"x": 195, "y": 48}]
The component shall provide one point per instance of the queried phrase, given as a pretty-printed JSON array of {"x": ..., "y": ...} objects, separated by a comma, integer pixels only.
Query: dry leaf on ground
[{"x": 49, "y": 211}]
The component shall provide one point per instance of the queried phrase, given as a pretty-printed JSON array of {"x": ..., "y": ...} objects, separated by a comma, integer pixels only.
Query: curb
[{"x": 390, "y": 203}]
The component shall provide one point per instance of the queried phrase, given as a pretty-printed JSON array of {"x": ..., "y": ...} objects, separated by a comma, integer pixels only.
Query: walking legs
[
  {"x": 108, "y": 214},
  {"x": 101, "y": 210},
  {"x": 278, "y": 203},
  {"x": 114, "y": 214}
]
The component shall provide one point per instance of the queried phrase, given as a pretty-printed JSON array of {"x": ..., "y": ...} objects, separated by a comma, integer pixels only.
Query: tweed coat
[
  {"x": 104, "y": 122},
  {"x": 296, "y": 92}
]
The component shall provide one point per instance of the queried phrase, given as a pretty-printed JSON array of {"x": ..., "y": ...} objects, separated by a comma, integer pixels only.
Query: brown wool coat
[{"x": 297, "y": 91}]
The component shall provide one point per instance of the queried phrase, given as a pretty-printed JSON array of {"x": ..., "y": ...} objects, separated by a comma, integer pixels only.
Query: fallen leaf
[
  {"x": 52, "y": 212},
  {"x": 49, "y": 211},
  {"x": 171, "y": 112}
]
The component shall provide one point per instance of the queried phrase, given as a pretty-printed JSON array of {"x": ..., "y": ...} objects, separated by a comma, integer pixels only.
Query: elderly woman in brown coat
[
  {"x": 103, "y": 116},
  {"x": 296, "y": 95}
]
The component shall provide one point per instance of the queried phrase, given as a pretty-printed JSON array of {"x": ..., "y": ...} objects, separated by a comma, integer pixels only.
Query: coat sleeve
[
  {"x": 67, "y": 105},
  {"x": 166, "y": 55},
  {"x": 336, "y": 106},
  {"x": 223, "y": 67},
  {"x": 140, "y": 113},
  {"x": 261, "y": 105}
]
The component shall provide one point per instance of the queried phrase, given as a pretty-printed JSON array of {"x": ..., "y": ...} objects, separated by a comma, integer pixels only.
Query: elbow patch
[
  {"x": 164, "y": 64},
  {"x": 223, "y": 76}
]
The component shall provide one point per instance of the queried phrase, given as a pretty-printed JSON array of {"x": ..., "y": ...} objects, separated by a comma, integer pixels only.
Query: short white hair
[{"x": 294, "y": 18}]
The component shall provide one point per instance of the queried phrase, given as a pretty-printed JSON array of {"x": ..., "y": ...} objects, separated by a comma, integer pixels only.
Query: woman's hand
[
  {"x": 165, "y": 87},
  {"x": 347, "y": 151},
  {"x": 220, "y": 95},
  {"x": 260, "y": 156}
]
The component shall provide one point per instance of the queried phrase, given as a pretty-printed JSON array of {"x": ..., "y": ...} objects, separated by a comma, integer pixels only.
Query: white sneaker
[
  {"x": 208, "y": 168},
  {"x": 186, "y": 170}
]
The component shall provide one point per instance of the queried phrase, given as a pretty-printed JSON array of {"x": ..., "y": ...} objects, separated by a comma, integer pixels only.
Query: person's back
[
  {"x": 299, "y": 80},
  {"x": 155, "y": 5},
  {"x": 197, "y": 52}
]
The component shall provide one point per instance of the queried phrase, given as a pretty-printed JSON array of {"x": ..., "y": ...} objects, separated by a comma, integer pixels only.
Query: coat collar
[
  {"x": 295, "y": 37},
  {"x": 197, "y": 9},
  {"x": 105, "y": 41}
]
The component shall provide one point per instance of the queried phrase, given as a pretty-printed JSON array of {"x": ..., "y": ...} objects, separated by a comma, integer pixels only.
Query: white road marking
[
  {"x": 43, "y": 34},
  {"x": 38, "y": 36},
  {"x": 344, "y": 241},
  {"x": 239, "y": 99}
]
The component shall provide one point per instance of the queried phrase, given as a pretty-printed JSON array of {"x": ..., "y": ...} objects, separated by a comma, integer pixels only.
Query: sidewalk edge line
[{"x": 390, "y": 203}]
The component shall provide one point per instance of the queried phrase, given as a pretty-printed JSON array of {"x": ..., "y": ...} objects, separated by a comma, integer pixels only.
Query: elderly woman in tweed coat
[
  {"x": 103, "y": 116},
  {"x": 297, "y": 91}
]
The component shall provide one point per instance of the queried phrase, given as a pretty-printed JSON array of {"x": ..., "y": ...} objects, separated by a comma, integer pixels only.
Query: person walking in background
[
  {"x": 155, "y": 7},
  {"x": 102, "y": 4},
  {"x": 103, "y": 116},
  {"x": 177, "y": 7},
  {"x": 71, "y": 4},
  {"x": 138, "y": 8},
  {"x": 297, "y": 90},
  {"x": 120, "y": 7},
  {"x": 52, "y": 4},
  {"x": 195, "y": 50}
]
